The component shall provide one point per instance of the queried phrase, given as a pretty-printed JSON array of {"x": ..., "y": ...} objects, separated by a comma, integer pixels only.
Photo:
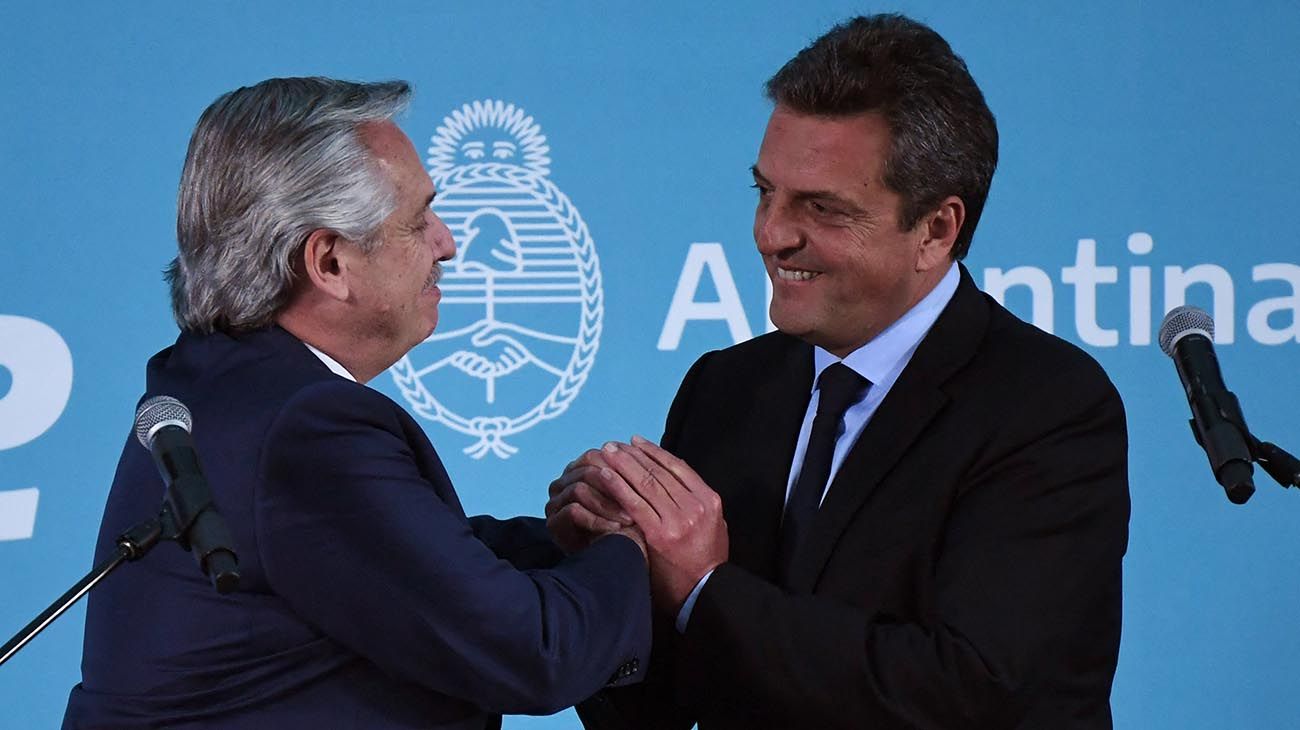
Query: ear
[
  {"x": 324, "y": 263},
  {"x": 939, "y": 229}
]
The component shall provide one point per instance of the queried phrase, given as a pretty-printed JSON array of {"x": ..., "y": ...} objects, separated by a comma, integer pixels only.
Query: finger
[
  {"x": 636, "y": 473},
  {"x": 590, "y": 457},
  {"x": 574, "y": 516},
  {"x": 616, "y": 488},
  {"x": 564, "y": 479},
  {"x": 556, "y": 503},
  {"x": 662, "y": 478},
  {"x": 584, "y": 519},
  {"x": 576, "y": 462},
  {"x": 563, "y": 490},
  {"x": 557, "y": 485},
  {"x": 571, "y": 476},
  {"x": 666, "y": 459},
  {"x": 596, "y": 458},
  {"x": 595, "y": 500}
]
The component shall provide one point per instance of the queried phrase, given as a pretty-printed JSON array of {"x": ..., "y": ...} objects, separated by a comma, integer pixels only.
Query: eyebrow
[{"x": 828, "y": 195}]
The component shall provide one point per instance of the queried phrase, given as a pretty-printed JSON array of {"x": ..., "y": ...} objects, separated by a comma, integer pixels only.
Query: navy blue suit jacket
[{"x": 367, "y": 600}]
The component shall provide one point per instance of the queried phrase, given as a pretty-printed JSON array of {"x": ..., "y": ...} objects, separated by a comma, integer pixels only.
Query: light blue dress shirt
[{"x": 880, "y": 361}]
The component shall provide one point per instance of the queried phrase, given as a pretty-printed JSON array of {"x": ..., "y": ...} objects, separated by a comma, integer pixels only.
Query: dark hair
[{"x": 943, "y": 138}]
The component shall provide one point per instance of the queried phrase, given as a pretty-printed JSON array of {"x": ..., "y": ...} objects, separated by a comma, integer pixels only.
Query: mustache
[{"x": 435, "y": 275}]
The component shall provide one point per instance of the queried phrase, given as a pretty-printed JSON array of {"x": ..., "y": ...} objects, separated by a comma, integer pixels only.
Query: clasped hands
[{"x": 640, "y": 490}]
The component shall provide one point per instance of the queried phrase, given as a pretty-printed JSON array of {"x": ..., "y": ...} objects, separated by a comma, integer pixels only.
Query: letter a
[{"x": 685, "y": 308}]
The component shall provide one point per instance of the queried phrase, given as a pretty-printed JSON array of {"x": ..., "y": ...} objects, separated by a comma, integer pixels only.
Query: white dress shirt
[{"x": 331, "y": 363}]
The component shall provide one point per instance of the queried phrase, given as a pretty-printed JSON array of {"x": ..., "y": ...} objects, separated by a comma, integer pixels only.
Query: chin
[
  {"x": 431, "y": 320},
  {"x": 786, "y": 320},
  {"x": 792, "y": 329}
]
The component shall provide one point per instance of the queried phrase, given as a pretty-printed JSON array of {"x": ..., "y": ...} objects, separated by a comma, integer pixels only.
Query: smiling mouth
[{"x": 795, "y": 274}]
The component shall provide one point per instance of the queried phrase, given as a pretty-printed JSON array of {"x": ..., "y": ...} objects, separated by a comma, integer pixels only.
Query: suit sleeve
[
  {"x": 524, "y": 542},
  {"x": 359, "y": 543},
  {"x": 1029, "y": 566}
]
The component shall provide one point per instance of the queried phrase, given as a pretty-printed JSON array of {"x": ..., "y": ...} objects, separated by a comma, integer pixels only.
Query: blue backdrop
[{"x": 1149, "y": 158}]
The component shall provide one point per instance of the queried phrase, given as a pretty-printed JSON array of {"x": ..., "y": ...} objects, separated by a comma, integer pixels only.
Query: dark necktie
[{"x": 838, "y": 386}]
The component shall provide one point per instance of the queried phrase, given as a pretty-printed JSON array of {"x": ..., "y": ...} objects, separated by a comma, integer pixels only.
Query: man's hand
[
  {"x": 680, "y": 516},
  {"x": 577, "y": 513}
]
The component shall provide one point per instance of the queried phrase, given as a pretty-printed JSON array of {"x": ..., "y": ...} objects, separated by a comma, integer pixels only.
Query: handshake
[{"x": 645, "y": 493}]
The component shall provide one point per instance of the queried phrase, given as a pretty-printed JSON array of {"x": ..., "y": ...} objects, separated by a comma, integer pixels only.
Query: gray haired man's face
[{"x": 398, "y": 292}]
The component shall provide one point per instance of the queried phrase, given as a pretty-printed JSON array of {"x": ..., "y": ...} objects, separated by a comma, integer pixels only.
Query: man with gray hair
[{"x": 309, "y": 261}]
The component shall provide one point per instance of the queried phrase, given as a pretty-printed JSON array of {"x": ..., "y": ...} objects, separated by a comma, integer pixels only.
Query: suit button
[{"x": 625, "y": 670}]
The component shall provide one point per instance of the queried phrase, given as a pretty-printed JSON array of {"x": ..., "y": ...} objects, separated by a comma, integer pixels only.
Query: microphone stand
[
  {"x": 1275, "y": 461},
  {"x": 1283, "y": 467},
  {"x": 173, "y": 523},
  {"x": 1232, "y": 448}
]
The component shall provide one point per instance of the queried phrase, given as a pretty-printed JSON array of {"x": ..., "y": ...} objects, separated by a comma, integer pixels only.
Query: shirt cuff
[{"x": 684, "y": 615}]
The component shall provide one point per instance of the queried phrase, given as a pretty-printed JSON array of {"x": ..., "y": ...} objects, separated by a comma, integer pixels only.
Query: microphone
[
  {"x": 1186, "y": 336},
  {"x": 162, "y": 424}
]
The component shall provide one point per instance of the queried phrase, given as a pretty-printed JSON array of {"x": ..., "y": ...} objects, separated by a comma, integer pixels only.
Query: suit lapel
[
  {"x": 285, "y": 345},
  {"x": 784, "y": 401},
  {"x": 916, "y": 398},
  {"x": 781, "y": 397}
]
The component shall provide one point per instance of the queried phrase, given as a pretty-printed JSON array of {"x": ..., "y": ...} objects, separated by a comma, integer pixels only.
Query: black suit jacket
[{"x": 962, "y": 572}]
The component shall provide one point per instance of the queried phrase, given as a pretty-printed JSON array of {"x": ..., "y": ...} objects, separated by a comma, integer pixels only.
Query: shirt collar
[
  {"x": 879, "y": 359},
  {"x": 331, "y": 363}
]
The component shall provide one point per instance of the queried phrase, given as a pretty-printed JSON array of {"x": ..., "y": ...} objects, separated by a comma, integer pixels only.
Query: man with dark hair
[
  {"x": 905, "y": 509},
  {"x": 308, "y": 263},
  {"x": 943, "y": 140}
]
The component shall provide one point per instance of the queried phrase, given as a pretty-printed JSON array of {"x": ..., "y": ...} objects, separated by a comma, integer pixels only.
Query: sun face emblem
[{"x": 520, "y": 317}]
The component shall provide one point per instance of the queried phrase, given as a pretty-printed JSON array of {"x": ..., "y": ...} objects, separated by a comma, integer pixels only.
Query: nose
[
  {"x": 444, "y": 244},
  {"x": 775, "y": 230}
]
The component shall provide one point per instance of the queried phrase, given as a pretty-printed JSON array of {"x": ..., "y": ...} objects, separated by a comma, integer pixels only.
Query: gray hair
[{"x": 266, "y": 166}]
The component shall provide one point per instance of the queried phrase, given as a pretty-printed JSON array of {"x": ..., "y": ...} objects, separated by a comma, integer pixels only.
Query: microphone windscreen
[
  {"x": 1183, "y": 321},
  {"x": 159, "y": 411}
]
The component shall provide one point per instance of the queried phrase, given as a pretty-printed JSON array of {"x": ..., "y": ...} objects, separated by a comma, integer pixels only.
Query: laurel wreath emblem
[{"x": 492, "y": 431}]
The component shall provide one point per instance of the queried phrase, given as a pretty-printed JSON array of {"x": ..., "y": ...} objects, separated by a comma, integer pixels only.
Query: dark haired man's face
[{"x": 842, "y": 270}]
